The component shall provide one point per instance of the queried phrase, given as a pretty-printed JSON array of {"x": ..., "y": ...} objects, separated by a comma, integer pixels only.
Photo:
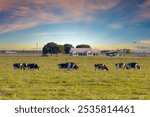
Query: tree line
[{"x": 54, "y": 48}]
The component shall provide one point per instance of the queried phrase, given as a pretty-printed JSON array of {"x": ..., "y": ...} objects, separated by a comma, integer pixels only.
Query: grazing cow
[
  {"x": 32, "y": 66},
  {"x": 132, "y": 65},
  {"x": 17, "y": 66},
  {"x": 101, "y": 67},
  {"x": 23, "y": 66},
  {"x": 68, "y": 66},
  {"x": 120, "y": 65}
]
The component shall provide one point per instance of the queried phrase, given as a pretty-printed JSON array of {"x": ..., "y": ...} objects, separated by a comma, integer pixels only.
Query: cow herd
[
  {"x": 25, "y": 66},
  {"x": 130, "y": 65},
  {"x": 72, "y": 65}
]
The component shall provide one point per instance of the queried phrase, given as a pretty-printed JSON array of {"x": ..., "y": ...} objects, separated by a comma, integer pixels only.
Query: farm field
[{"x": 50, "y": 83}]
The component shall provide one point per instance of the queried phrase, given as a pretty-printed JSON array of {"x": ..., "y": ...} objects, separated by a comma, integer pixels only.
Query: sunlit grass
[{"x": 86, "y": 83}]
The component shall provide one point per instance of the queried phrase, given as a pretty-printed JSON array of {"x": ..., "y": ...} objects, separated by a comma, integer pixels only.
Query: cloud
[
  {"x": 144, "y": 4},
  {"x": 143, "y": 11},
  {"x": 30, "y": 13},
  {"x": 55, "y": 33},
  {"x": 144, "y": 41},
  {"x": 5, "y": 4},
  {"x": 36, "y": 14},
  {"x": 115, "y": 26},
  {"x": 101, "y": 4},
  {"x": 16, "y": 26}
]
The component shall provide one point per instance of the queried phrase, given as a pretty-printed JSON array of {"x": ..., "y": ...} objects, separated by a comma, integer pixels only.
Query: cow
[
  {"x": 23, "y": 65},
  {"x": 132, "y": 65},
  {"x": 69, "y": 65},
  {"x": 100, "y": 67},
  {"x": 120, "y": 65},
  {"x": 32, "y": 66},
  {"x": 17, "y": 66}
]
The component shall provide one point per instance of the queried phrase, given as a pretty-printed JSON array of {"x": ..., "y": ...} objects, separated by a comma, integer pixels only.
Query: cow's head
[
  {"x": 138, "y": 67},
  {"x": 106, "y": 68},
  {"x": 76, "y": 67}
]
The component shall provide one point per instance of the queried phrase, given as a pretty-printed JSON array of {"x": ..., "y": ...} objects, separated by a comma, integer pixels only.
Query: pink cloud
[
  {"x": 5, "y": 4},
  {"x": 143, "y": 12},
  {"x": 16, "y": 26},
  {"x": 31, "y": 13},
  {"x": 101, "y": 4}
]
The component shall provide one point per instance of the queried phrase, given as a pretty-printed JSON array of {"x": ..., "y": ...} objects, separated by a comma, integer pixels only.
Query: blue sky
[{"x": 103, "y": 24}]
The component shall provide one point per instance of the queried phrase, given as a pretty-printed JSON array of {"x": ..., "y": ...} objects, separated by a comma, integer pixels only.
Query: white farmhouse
[{"x": 83, "y": 52}]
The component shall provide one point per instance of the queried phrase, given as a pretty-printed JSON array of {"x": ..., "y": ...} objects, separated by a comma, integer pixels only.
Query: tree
[
  {"x": 67, "y": 48},
  {"x": 128, "y": 51},
  {"x": 45, "y": 50},
  {"x": 61, "y": 48},
  {"x": 83, "y": 46},
  {"x": 52, "y": 48},
  {"x": 55, "y": 49}
]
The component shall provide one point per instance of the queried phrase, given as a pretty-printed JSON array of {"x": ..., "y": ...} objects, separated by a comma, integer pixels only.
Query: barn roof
[{"x": 81, "y": 50}]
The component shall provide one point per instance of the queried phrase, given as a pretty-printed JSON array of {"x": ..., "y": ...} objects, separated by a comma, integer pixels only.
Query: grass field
[{"x": 86, "y": 83}]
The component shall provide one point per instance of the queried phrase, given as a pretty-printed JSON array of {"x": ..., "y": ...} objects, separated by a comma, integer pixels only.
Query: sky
[{"x": 102, "y": 24}]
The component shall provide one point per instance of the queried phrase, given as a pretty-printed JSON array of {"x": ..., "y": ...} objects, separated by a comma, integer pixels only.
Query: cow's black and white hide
[
  {"x": 19, "y": 65},
  {"x": 32, "y": 66},
  {"x": 132, "y": 65},
  {"x": 101, "y": 67},
  {"x": 69, "y": 65},
  {"x": 120, "y": 65}
]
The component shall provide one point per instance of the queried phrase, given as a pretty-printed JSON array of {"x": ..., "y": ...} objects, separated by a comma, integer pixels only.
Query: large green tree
[
  {"x": 50, "y": 48},
  {"x": 61, "y": 49},
  {"x": 67, "y": 48},
  {"x": 83, "y": 46},
  {"x": 45, "y": 50}
]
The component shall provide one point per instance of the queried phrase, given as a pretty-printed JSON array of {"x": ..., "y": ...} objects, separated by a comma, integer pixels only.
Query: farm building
[
  {"x": 112, "y": 53},
  {"x": 83, "y": 52}
]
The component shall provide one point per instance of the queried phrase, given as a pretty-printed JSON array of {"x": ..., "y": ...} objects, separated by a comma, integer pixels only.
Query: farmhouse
[{"x": 83, "y": 52}]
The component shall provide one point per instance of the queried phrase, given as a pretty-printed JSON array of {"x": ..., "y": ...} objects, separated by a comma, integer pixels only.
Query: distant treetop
[
  {"x": 83, "y": 46},
  {"x": 54, "y": 48}
]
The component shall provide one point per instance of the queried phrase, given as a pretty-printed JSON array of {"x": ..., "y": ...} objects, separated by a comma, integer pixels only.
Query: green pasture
[{"x": 50, "y": 83}]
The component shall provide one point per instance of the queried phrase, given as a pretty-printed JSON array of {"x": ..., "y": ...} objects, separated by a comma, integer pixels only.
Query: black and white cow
[
  {"x": 69, "y": 65},
  {"x": 17, "y": 66},
  {"x": 100, "y": 67},
  {"x": 120, "y": 65},
  {"x": 132, "y": 65},
  {"x": 32, "y": 66},
  {"x": 24, "y": 66}
]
